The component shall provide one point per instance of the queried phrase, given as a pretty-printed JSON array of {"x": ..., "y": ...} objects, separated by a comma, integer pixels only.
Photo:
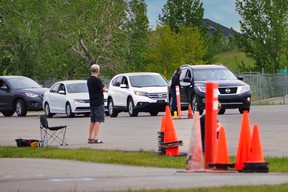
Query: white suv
[{"x": 137, "y": 92}]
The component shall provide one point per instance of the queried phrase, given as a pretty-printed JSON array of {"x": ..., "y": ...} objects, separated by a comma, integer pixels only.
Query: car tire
[
  {"x": 241, "y": 110},
  {"x": 47, "y": 110},
  {"x": 195, "y": 105},
  {"x": 111, "y": 110},
  {"x": 69, "y": 112},
  {"x": 20, "y": 108},
  {"x": 8, "y": 113},
  {"x": 221, "y": 111},
  {"x": 131, "y": 108},
  {"x": 153, "y": 113}
]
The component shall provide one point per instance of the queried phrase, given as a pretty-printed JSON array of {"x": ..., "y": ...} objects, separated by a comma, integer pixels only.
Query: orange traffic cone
[
  {"x": 256, "y": 161},
  {"x": 170, "y": 134},
  {"x": 256, "y": 154},
  {"x": 163, "y": 124},
  {"x": 244, "y": 142},
  {"x": 194, "y": 160},
  {"x": 222, "y": 161},
  {"x": 190, "y": 113},
  {"x": 161, "y": 136}
]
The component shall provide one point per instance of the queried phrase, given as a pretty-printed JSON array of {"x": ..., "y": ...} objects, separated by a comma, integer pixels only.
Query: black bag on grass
[{"x": 27, "y": 142}]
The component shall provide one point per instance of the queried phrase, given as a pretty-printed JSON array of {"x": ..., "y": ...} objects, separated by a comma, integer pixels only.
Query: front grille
[
  {"x": 157, "y": 95},
  {"x": 228, "y": 90}
]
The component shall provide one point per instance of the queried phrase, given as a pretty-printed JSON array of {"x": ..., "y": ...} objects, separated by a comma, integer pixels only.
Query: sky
[{"x": 219, "y": 11}]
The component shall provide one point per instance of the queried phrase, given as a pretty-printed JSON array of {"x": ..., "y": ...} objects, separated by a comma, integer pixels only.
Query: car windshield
[
  {"x": 147, "y": 81},
  {"x": 23, "y": 83},
  {"x": 213, "y": 74},
  {"x": 77, "y": 88}
]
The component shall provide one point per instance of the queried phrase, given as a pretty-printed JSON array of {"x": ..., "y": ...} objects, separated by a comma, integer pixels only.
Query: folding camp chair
[{"x": 51, "y": 134}]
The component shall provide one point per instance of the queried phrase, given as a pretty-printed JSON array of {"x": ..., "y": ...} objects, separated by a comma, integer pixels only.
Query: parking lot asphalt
[{"x": 63, "y": 175}]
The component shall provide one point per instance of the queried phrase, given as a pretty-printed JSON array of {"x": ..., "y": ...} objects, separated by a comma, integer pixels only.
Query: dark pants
[{"x": 174, "y": 102}]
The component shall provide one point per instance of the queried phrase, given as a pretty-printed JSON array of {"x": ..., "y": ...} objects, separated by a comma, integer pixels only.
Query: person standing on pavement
[
  {"x": 175, "y": 81},
  {"x": 95, "y": 89}
]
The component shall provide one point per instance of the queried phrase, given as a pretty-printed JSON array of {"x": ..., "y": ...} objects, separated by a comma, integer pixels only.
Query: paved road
[{"x": 126, "y": 133}]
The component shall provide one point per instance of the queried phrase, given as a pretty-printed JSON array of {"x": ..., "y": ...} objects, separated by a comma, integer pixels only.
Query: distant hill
[
  {"x": 234, "y": 58},
  {"x": 212, "y": 27}
]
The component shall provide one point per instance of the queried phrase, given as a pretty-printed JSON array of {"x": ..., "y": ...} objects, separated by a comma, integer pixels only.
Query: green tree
[
  {"x": 168, "y": 49},
  {"x": 263, "y": 31},
  {"x": 182, "y": 12},
  {"x": 138, "y": 35}
]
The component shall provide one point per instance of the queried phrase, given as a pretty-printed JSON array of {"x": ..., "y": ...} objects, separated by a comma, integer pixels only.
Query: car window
[
  {"x": 62, "y": 88},
  {"x": 54, "y": 88},
  {"x": 184, "y": 71},
  {"x": 117, "y": 81},
  {"x": 147, "y": 81},
  {"x": 213, "y": 74},
  {"x": 124, "y": 81},
  {"x": 23, "y": 83},
  {"x": 77, "y": 88}
]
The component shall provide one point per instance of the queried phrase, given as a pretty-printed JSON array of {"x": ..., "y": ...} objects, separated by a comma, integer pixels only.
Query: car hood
[
  {"x": 40, "y": 90},
  {"x": 151, "y": 89},
  {"x": 230, "y": 83}
]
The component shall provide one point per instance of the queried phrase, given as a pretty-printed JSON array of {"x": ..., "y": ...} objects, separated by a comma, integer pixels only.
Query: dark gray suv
[
  {"x": 20, "y": 94},
  {"x": 232, "y": 91}
]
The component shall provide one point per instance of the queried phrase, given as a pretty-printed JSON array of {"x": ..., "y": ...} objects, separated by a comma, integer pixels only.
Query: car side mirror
[
  {"x": 123, "y": 86},
  {"x": 187, "y": 80},
  {"x": 4, "y": 88},
  {"x": 240, "y": 78},
  {"x": 62, "y": 92}
]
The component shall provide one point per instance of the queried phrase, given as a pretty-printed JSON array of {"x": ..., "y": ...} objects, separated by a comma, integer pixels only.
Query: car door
[
  {"x": 6, "y": 99},
  {"x": 52, "y": 97},
  {"x": 115, "y": 91},
  {"x": 185, "y": 85},
  {"x": 60, "y": 99}
]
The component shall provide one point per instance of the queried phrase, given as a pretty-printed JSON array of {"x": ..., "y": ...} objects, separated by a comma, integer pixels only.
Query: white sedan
[{"x": 68, "y": 97}]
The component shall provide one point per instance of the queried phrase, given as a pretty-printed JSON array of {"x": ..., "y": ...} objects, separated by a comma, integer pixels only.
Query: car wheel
[
  {"x": 7, "y": 113},
  {"x": 69, "y": 111},
  {"x": 195, "y": 105},
  {"x": 154, "y": 113},
  {"x": 47, "y": 110},
  {"x": 20, "y": 108},
  {"x": 241, "y": 110},
  {"x": 131, "y": 108},
  {"x": 112, "y": 112},
  {"x": 221, "y": 111}
]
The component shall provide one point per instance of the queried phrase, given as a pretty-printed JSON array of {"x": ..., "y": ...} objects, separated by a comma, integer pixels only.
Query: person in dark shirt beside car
[
  {"x": 96, "y": 89},
  {"x": 175, "y": 81}
]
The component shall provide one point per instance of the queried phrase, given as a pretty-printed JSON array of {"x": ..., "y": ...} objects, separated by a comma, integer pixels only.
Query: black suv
[
  {"x": 232, "y": 91},
  {"x": 20, "y": 94}
]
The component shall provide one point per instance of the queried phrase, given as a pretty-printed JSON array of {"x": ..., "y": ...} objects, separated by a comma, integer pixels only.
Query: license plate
[{"x": 160, "y": 101}]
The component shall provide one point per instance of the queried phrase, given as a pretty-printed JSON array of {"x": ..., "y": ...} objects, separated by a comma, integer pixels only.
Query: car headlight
[
  {"x": 30, "y": 94},
  {"x": 140, "y": 93},
  {"x": 79, "y": 101},
  {"x": 202, "y": 88},
  {"x": 244, "y": 88}
]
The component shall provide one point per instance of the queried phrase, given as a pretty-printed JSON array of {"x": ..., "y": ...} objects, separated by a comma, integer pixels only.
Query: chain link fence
[{"x": 267, "y": 86}]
